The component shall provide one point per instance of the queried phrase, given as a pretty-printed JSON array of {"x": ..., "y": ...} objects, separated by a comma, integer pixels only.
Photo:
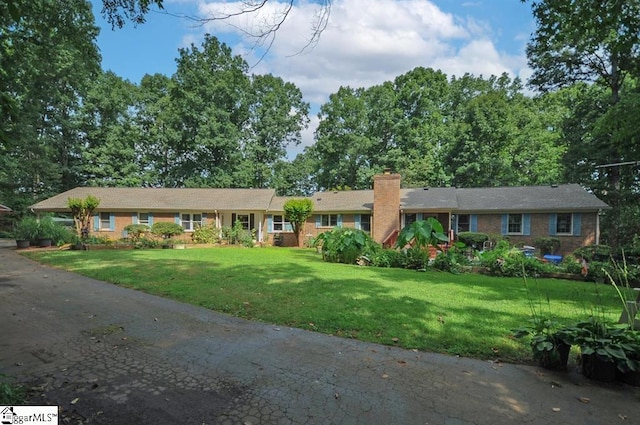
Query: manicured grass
[{"x": 470, "y": 314}]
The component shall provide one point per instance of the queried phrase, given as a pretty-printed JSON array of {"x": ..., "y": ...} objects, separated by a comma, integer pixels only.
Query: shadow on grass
[{"x": 470, "y": 315}]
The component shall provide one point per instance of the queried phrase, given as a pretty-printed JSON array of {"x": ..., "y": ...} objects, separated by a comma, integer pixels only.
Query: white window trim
[
  {"x": 101, "y": 227},
  {"x": 329, "y": 226},
  {"x": 521, "y": 232},
  {"x": 190, "y": 221},
  {"x": 284, "y": 224},
  {"x": 140, "y": 221}
]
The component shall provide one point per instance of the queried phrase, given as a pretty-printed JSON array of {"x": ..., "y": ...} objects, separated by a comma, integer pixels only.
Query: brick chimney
[{"x": 386, "y": 205}]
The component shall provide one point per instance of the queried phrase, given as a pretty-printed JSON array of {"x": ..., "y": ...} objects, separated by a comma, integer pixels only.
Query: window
[
  {"x": 105, "y": 221},
  {"x": 328, "y": 220},
  {"x": 564, "y": 224},
  {"x": 244, "y": 219},
  {"x": 280, "y": 224},
  {"x": 365, "y": 222},
  {"x": 515, "y": 224},
  {"x": 191, "y": 222},
  {"x": 464, "y": 223},
  {"x": 410, "y": 219},
  {"x": 143, "y": 218}
]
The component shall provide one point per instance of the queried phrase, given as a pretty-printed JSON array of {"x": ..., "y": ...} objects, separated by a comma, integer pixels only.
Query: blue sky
[{"x": 366, "y": 42}]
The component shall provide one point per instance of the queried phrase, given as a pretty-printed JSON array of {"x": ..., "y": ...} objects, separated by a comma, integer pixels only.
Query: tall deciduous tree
[
  {"x": 209, "y": 97},
  {"x": 277, "y": 114},
  {"x": 159, "y": 133},
  {"x": 48, "y": 58},
  {"x": 111, "y": 151},
  {"x": 342, "y": 143},
  {"x": 594, "y": 41},
  {"x": 297, "y": 211}
]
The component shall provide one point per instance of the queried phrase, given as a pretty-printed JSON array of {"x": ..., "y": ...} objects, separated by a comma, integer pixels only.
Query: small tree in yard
[
  {"x": 296, "y": 212},
  {"x": 82, "y": 209},
  {"x": 166, "y": 229}
]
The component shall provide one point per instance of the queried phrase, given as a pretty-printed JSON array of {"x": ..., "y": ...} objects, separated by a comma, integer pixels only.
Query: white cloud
[{"x": 366, "y": 43}]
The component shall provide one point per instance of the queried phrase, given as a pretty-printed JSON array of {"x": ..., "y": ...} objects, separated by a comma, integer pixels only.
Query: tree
[
  {"x": 594, "y": 41},
  {"x": 296, "y": 212},
  {"x": 584, "y": 40},
  {"x": 159, "y": 133},
  {"x": 277, "y": 114},
  {"x": 81, "y": 210},
  {"x": 49, "y": 57},
  {"x": 342, "y": 143},
  {"x": 499, "y": 137},
  {"x": 110, "y": 155},
  {"x": 209, "y": 99}
]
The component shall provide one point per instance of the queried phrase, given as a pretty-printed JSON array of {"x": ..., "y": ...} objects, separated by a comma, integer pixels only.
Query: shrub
[
  {"x": 136, "y": 231},
  {"x": 452, "y": 260},
  {"x": 547, "y": 245},
  {"x": 166, "y": 229},
  {"x": 146, "y": 243},
  {"x": 389, "y": 258},
  {"x": 26, "y": 229},
  {"x": 417, "y": 258},
  {"x": 508, "y": 261},
  {"x": 473, "y": 239},
  {"x": 571, "y": 264},
  {"x": 346, "y": 245},
  {"x": 594, "y": 253},
  {"x": 206, "y": 234}
]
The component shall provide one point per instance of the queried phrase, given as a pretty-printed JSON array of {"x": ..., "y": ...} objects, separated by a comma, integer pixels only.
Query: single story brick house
[{"x": 522, "y": 213}]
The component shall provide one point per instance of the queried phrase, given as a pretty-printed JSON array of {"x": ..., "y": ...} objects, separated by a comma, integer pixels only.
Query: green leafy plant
[
  {"x": 422, "y": 234},
  {"x": 136, "y": 231},
  {"x": 547, "y": 245},
  {"x": 207, "y": 234},
  {"x": 473, "y": 239},
  {"x": 345, "y": 245},
  {"x": 550, "y": 343},
  {"x": 296, "y": 212},
  {"x": 11, "y": 394},
  {"x": 388, "y": 258},
  {"x": 451, "y": 260},
  {"x": 26, "y": 229},
  {"x": 571, "y": 264},
  {"x": 82, "y": 209},
  {"x": 506, "y": 260},
  {"x": 166, "y": 229}
]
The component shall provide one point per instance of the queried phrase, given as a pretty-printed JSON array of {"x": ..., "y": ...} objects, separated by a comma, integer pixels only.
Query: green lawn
[{"x": 471, "y": 315}]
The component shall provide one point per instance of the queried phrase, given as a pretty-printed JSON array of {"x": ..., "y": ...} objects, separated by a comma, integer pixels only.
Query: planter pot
[
  {"x": 631, "y": 378},
  {"x": 556, "y": 359},
  {"x": 44, "y": 243},
  {"x": 593, "y": 367},
  {"x": 23, "y": 243}
]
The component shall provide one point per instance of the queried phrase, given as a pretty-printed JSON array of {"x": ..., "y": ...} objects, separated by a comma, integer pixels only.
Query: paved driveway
[{"x": 108, "y": 355}]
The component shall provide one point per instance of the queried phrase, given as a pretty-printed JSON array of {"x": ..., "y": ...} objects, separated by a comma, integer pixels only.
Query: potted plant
[
  {"x": 629, "y": 369},
  {"x": 603, "y": 349},
  {"x": 47, "y": 232},
  {"x": 167, "y": 231},
  {"x": 549, "y": 343},
  {"x": 25, "y": 231}
]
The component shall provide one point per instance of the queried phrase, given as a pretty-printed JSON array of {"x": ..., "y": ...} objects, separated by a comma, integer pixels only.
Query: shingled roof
[
  {"x": 567, "y": 197},
  {"x": 436, "y": 198},
  {"x": 343, "y": 201},
  {"x": 571, "y": 197},
  {"x": 152, "y": 199}
]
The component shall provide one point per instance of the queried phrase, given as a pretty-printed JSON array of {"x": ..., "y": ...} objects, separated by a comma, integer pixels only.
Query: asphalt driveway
[{"x": 109, "y": 355}]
